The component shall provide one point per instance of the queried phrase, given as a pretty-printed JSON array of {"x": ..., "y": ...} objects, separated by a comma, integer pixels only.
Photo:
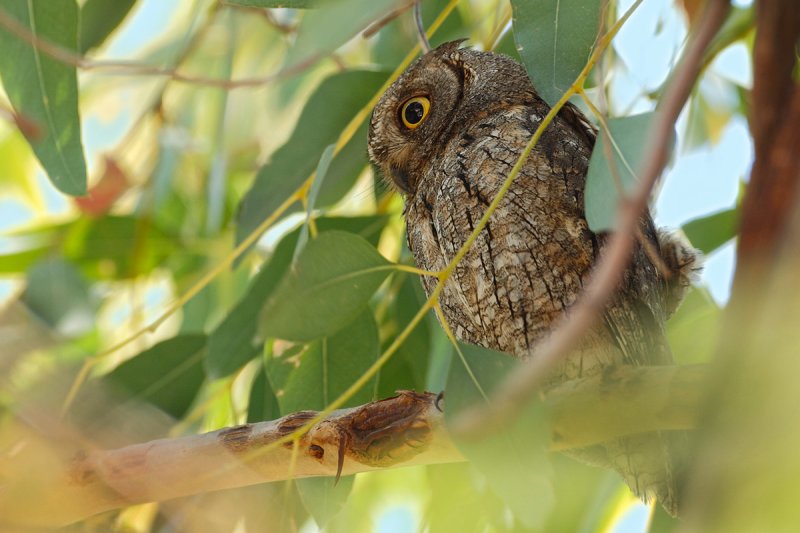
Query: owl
[{"x": 446, "y": 134}]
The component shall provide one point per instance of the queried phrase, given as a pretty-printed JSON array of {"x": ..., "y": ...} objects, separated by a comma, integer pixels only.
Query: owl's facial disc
[{"x": 412, "y": 116}]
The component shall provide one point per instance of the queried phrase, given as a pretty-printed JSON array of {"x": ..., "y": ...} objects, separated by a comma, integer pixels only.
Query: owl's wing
[
  {"x": 637, "y": 315},
  {"x": 579, "y": 123}
]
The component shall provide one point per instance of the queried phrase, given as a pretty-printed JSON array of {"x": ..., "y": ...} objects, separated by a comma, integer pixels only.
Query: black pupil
[{"x": 414, "y": 112}]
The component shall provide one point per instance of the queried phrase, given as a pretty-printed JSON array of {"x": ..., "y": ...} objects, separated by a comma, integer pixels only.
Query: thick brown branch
[{"x": 401, "y": 431}]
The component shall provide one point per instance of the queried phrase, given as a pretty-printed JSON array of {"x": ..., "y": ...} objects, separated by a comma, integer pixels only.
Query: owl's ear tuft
[
  {"x": 451, "y": 54},
  {"x": 448, "y": 49}
]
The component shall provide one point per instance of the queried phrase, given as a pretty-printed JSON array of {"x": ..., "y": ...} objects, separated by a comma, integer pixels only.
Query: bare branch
[
  {"x": 518, "y": 389},
  {"x": 129, "y": 68},
  {"x": 401, "y": 431},
  {"x": 423, "y": 37}
]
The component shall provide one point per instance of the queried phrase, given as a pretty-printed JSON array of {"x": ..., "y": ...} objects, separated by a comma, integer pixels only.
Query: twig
[
  {"x": 129, "y": 68},
  {"x": 423, "y": 38},
  {"x": 405, "y": 430},
  {"x": 518, "y": 388},
  {"x": 379, "y": 24},
  {"x": 29, "y": 127}
]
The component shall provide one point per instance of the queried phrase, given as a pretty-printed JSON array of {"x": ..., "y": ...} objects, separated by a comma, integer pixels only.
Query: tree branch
[{"x": 401, "y": 431}]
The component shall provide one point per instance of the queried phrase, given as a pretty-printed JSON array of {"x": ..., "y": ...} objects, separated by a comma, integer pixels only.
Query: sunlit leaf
[
  {"x": 293, "y": 4},
  {"x": 45, "y": 90},
  {"x": 17, "y": 170},
  {"x": 710, "y": 232},
  {"x": 514, "y": 459},
  {"x": 554, "y": 39},
  {"x": 328, "y": 111},
  {"x": 325, "y": 289},
  {"x": 233, "y": 343},
  {"x": 698, "y": 312},
  {"x": 604, "y": 180},
  {"x": 60, "y": 296},
  {"x": 99, "y": 18},
  {"x": 167, "y": 375}
]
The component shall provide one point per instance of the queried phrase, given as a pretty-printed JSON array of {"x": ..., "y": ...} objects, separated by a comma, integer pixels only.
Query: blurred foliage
[{"x": 197, "y": 162}]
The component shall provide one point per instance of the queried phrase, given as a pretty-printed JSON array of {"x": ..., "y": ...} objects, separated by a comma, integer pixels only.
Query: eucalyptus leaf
[
  {"x": 312, "y": 378},
  {"x": 326, "y": 288},
  {"x": 99, "y": 18},
  {"x": 233, "y": 342},
  {"x": 168, "y": 375},
  {"x": 293, "y": 4},
  {"x": 58, "y": 294},
  {"x": 324, "y": 497},
  {"x": 327, "y": 112},
  {"x": 712, "y": 231},
  {"x": 262, "y": 404},
  {"x": 604, "y": 180},
  {"x": 514, "y": 459},
  {"x": 313, "y": 192},
  {"x": 45, "y": 90},
  {"x": 555, "y": 39},
  {"x": 315, "y": 374}
]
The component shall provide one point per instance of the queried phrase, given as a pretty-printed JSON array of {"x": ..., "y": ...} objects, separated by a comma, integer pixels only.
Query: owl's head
[{"x": 437, "y": 97}]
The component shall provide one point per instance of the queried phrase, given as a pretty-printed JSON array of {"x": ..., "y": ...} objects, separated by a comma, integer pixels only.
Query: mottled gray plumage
[{"x": 530, "y": 263}]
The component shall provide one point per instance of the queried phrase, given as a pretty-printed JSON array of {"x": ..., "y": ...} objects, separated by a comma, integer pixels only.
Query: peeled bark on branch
[{"x": 405, "y": 430}]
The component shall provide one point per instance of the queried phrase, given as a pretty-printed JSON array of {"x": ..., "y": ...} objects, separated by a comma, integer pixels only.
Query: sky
[{"x": 701, "y": 181}]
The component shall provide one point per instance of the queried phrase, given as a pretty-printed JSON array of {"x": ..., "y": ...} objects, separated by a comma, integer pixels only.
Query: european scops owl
[{"x": 446, "y": 134}]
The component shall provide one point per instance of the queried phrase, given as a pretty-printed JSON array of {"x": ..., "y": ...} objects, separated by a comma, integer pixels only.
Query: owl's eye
[{"x": 414, "y": 111}]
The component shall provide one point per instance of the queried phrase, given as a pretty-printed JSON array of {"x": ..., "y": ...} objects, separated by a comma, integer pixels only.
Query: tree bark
[{"x": 405, "y": 430}]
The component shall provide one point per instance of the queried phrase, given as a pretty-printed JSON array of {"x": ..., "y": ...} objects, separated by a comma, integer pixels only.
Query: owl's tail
[{"x": 652, "y": 465}]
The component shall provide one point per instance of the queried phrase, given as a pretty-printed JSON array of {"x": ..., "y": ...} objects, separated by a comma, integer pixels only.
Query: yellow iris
[{"x": 414, "y": 111}]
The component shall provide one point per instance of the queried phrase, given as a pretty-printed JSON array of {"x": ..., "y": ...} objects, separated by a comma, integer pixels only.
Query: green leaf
[
  {"x": 99, "y": 18},
  {"x": 629, "y": 136},
  {"x": 167, "y": 375},
  {"x": 45, "y": 90},
  {"x": 712, "y": 231},
  {"x": 321, "y": 371},
  {"x": 22, "y": 248},
  {"x": 325, "y": 29},
  {"x": 315, "y": 376},
  {"x": 59, "y": 295},
  {"x": 233, "y": 343},
  {"x": 262, "y": 405},
  {"x": 323, "y": 497},
  {"x": 327, "y": 112},
  {"x": 514, "y": 460},
  {"x": 313, "y": 192},
  {"x": 407, "y": 369},
  {"x": 326, "y": 288},
  {"x": 554, "y": 39},
  {"x": 293, "y": 4},
  {"x": 344, "y": 169},
  {"x": 694, "y": 330}
]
